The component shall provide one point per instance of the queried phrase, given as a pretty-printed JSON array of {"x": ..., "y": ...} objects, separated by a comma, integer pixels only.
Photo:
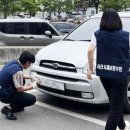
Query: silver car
[
  {"x": 62, "y": 66},
  {"x": 28, "y": 32}
]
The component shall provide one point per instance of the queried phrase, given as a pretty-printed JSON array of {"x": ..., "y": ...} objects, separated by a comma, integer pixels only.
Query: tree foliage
[
  {"x": 30, "y": 6},
  {"x": 57, "y": 6},
  {"x": 87, "y": 3},
  {"x": 15, "y": 7},
  {"x": 94, "y": 3},
  {"x": 5, "y": 6},
  {"x": 115, "y": 4},
  {"x": 8, "y": 7},
  {"x": 80, "y": 4}
]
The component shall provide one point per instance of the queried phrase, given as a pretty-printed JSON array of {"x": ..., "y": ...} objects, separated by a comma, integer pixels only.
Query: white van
[{"x": 62, "y": 66}]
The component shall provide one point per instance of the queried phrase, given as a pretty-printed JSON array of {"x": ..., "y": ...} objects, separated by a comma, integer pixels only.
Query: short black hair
[
  {"x": 110, "y": 21},
  {"x": 26, "y": 56}
]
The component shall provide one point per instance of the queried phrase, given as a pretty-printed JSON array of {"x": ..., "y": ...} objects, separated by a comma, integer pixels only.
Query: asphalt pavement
[
  {"x": 52, "y": 113},
  {"x": 43, "y": 116}
]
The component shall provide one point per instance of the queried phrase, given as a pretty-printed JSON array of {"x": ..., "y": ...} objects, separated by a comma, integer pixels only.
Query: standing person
[
  {"x": 112, "y": 65},
  {"x": 12, "y": 87}
]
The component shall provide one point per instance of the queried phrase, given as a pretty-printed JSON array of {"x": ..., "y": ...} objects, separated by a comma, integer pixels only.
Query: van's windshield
[{"x": 84, "y": 31}]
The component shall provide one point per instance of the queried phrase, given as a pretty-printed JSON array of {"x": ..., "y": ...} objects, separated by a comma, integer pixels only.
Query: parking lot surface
[
  {"x": 51, "y": 113},
  {"x": 42, "y": 116}
]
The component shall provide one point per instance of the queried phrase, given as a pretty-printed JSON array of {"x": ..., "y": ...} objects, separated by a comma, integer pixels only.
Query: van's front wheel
[{"x": 126, "y": 107}]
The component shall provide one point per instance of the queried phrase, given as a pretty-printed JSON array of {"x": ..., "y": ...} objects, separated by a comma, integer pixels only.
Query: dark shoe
[
  {"x": 18, "y": 110},
  {"x": 8, "y": 113}
]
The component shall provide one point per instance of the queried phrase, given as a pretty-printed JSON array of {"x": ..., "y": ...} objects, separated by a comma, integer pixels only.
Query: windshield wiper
[
  {"x": 69, "y": 40},
  {"x": 74, "y": 40},
  {"x": 85, "y": 40}
]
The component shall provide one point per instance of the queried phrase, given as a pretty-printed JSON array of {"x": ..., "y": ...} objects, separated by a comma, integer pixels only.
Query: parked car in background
[
  {"x": 27, "y": 32},
  {"x": 64, "y": 27},
  {"x": 62, "y": 66},
  {"x": 79, "y": 19},
  {"x": 57, "y": 18},
  {"x": 70, "y": 17}
]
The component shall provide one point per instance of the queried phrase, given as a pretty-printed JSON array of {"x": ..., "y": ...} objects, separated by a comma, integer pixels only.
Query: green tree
[
  {"x": 81, "y": 4},
  {"x": 115, "y": 4},
  {"x": 59, "y": 6},
  {"x": 94, "y": 3},
  {"x": 10, "y": 6},
  {"x": 5, "y": 6},
  {"x": 48, "y": 5},
  {"x": 16, "y": 7},
  {"x": 69, "y": 5},
  {"x": 30, "y": 6}
]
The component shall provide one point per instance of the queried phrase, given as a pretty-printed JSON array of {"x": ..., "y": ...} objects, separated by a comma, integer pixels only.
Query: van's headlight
[{"x": 85, "y": 69}]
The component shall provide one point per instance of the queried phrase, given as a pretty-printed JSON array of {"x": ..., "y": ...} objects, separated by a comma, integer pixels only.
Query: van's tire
[{"x": 126, "y": 107}]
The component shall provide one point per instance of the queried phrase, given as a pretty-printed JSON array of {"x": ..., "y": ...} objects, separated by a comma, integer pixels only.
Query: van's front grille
[
  {"x": 57, "y": 65},
  {"x": 58, "y": 77}
]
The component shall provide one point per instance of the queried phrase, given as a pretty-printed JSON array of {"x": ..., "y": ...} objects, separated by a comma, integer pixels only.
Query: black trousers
[
  {"x": 19, "y": 100},
  {"x": 116, "y": 90}
]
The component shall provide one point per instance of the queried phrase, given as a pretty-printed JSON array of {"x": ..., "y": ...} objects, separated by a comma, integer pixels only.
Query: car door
[
  {"x": 37, "y": 36},
  {"x": 2, "y": 34},
  {"x": 16, "y": 34}
]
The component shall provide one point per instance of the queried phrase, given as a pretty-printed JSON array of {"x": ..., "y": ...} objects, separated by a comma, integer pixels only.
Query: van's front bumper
[{"x": 70, "y": 85}]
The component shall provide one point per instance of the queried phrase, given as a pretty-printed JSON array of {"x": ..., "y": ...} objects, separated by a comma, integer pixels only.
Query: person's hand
[
  {"x": 34, "y": 78},
  {"x": 35, "y": 84},
  {"x": 89, "y": 74}
]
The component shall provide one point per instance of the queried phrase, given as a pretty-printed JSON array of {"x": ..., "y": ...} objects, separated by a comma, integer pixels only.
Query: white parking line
[
  {"x": 70, "y": 113},
  {"x": 74, "y": 114}
]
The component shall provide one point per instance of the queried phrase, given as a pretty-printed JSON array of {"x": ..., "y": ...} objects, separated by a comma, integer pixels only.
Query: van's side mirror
[{"x": 48, "y": 33}]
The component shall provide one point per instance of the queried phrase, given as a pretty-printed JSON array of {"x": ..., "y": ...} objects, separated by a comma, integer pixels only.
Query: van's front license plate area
[{"x": 53, "y": 84}]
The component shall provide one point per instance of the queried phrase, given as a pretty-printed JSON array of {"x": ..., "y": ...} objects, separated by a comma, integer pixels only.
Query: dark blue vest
[
  {"x": 112, "y": 54},
  {"x": 6, "y": 78}
]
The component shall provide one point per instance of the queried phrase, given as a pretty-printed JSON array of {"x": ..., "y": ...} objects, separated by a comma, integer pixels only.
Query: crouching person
[{"x": 12, "y": 88}]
